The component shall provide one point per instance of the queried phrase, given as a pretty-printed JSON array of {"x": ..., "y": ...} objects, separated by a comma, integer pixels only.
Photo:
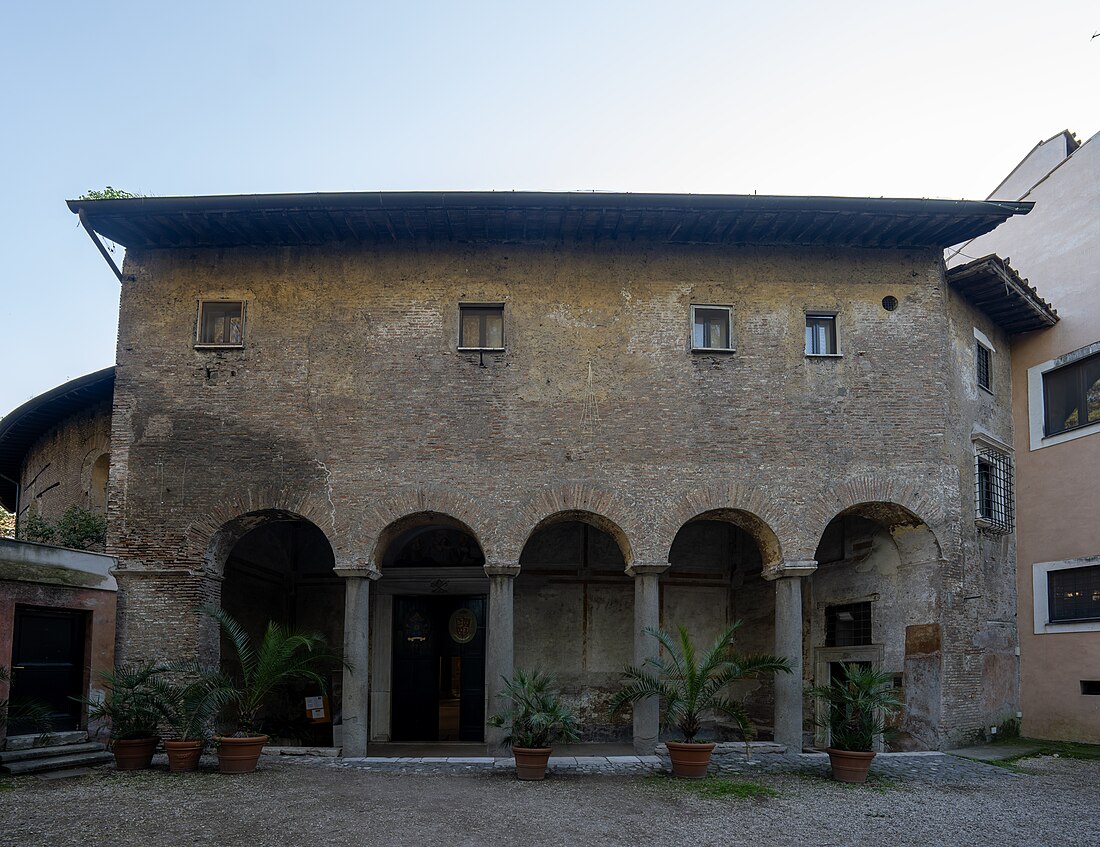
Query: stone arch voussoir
[
  {"x": 426, "y": 499},
  {"x": 581, "y": 501},
  {"x": 772, "y": 526}
]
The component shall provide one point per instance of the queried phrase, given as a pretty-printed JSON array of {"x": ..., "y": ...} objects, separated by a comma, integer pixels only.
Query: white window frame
[
  {"x": 1036, "y": 400},
  {"x": 462, "y": 307},
  {"x": 207, "y": 345},
  {"x": 834, "y": 317},
  {"x": 729, "y": 329},
  {"x": 998, "y": 456},
  {"x": 982, "y": 340},
  {"x": 1039, "y": 596}
]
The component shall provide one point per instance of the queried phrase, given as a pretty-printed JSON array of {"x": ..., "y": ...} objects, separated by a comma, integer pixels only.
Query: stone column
[
  {"x": 499, "y": 646},
  {"x": 788, "y": 643},
  {"x": 647, "y": 615},
  {"x": 356, "y": 693}
]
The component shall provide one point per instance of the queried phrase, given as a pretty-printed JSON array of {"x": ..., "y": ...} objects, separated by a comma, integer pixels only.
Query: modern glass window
[
  {"x": 984, "y": 367},
  {"x": 821, "y": 335},
  {"x": 711, "y": 328},
  {"x": 993, "y": 500},
  {"x": 1073, "y": 594},
  {"x": 221, "y": 323},
  {"x": 1071, "y": 395},
  {"x": 481, "y": 327}
]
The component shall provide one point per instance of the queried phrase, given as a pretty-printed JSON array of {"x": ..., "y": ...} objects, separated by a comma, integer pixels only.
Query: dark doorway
[
  {"x": 438, "y": 669},
  {"x": 48, "y": 664}
]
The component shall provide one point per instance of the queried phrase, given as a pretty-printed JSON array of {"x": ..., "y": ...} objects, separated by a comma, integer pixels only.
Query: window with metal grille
[
  {"x": 993, "y": 501},
  {"x": 985, "y": 367},
  {"x": 821, "y": 335},
  {"x": 1073, "y": 594},
  {"x": 848, "y": 625},
  {"x": 1071, "y": 395},
  {"x": 481, "y": 327}
]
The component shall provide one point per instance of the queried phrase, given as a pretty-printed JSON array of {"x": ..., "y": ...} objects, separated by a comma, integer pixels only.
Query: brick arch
[
  {"x": 423, "y": 500},
  {"x": 888, "y": 500},
  {"x": 771, "y": 526},
  {"x": 581, "y": 501},
  {"x": 212, "y": 536},
  {"x": 100, "y": 447}
]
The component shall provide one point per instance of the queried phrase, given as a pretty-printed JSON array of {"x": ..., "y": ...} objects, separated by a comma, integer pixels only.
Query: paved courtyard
[{"x": 918, "y": 800}]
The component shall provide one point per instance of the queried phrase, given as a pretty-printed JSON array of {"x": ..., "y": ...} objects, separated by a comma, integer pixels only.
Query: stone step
[
  {"x": 57, "y": 763},
  {"x": 49, "y": 752},
  {"x": 54, "y": 739}
]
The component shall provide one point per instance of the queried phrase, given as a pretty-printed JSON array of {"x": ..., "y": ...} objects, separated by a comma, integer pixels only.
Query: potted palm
[
  {"x": 693, "y": 686},
  {"x": 535, "y": 720},
  {"x": 132, "y": 707},
  {"x": 282, "y": 656},
  {"x": 189, "y": 706},
  {"x": 24, "y": 713},
  {"x": 856, "y": 706}
]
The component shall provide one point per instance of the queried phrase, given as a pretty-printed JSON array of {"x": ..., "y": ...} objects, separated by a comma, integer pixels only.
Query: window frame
[
  {"x": 484, "y": 309},
  {"x": 1036, "y": 400},
  {"x": 731, "y": 348},
  {"x": 218, "y": 345},
  {"x": 1081, "y": 394},
  {"x": 994, "y": 502},
  {"x": 822, "y": 314},
  {"x": 1050, "y": 595},
  {"x": 979, "y": 350},
  {"x": 1040, "y": 588}
]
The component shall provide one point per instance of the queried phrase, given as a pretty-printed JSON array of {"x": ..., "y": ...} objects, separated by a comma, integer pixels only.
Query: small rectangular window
[
  {"x": 221, "y": 323},
  {"x": 985, "y": 367},
  {"x": 1073, "y": 594},
  {"x": 848, "y": 625},
  {"x": 711, "y": 328},
  {"x": 1090, "y": 687},
  {"x": 821, "y": 335},
  {"x": 993, "y": 496},
  {"x": 1071, "y": 395},
  {"x": 481, "y": 328}
]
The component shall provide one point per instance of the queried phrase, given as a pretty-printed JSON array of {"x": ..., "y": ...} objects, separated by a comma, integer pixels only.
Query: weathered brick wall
[
  {"x": 350, "y": 402},
  {"x": 57, "y": 471}
]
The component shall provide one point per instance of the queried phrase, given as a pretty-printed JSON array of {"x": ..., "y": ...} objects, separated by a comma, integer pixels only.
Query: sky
[{"x": 931, "y": 99}]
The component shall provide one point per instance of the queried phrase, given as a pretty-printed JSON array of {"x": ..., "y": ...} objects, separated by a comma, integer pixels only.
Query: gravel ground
[{"x": 1050, "y": 801}]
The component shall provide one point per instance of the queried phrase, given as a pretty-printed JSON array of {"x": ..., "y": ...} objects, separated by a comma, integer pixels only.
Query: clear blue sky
[{"x": 934, "y": 99}]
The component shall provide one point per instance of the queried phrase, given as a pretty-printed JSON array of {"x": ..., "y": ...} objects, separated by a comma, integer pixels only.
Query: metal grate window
[
  {"x": 993, "y": 501},
  {"x": 1073, "y": 594},
  {"x": 985, "y": 368},
  {"x": 848, "y": 625}
]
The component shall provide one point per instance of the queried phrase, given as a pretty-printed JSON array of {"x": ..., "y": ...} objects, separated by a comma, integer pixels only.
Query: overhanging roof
[
  {"x": 20, "y": 429},
  {"x": 539, "y": 217},
  {"x": 992, "y": 285}
]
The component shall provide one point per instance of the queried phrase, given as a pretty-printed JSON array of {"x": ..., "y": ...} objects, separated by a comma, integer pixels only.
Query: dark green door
[
  {"x": 438, "y": 669},
  {"x": 48, "y": 664}
]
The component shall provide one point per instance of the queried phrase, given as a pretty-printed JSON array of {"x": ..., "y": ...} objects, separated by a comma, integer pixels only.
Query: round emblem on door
[{"x": 463, "y": 626}]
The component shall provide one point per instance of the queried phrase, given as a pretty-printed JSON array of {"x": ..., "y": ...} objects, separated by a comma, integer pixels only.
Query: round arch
[
  {"x": 767, "y": 542},
  {"x": 598, "y": 521},
  {"x": 406, "y": 529}
]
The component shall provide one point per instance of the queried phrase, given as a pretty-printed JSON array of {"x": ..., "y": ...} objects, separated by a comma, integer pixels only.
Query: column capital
[
  {"x": 358, "y": 573},
  {"x": 501, "y": 569},
  {"x": 642, "y": 568},
  {"x": 794, "y": 568}
]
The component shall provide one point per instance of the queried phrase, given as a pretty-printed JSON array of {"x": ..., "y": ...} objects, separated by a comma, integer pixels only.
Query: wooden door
[{"x": 48, "y": 664}]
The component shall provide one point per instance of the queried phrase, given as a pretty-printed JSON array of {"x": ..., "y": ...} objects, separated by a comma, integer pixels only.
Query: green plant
[
  {"x": 857, "y": 706},
  {"x": 535, "y": 718},
  {"x": 132, "y": 704},
  {"x": 108, "y": 193},
  {"x": 189, "y": 703},
  {"x": 693, "y": 686},
  {"x": 35, "y": 528},
  {"x": 29, "y": 712},
  {"x": 282, "y": 656}
]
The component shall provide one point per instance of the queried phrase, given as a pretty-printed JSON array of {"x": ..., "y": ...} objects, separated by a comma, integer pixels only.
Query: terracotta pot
[
  {"x": 133, "y": 754},
  {"x": 690, "y": 760},
  {"x": 239, "y": 755},
  {"x": 183, "y": 755},
  {"x": 849, "y": 765},
  {"x": 531, "y": 762}
]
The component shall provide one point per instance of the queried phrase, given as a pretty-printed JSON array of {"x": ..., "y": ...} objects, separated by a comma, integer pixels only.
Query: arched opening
[
  {"x": 280, "y": 569},
  {"x": 429, "y": 617},
  {"x": 574, "y": 615},
  {"x": 872, "y": 601},
  {"x": 714, "y": 580},
  {"x": 97, "y": 484}
]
